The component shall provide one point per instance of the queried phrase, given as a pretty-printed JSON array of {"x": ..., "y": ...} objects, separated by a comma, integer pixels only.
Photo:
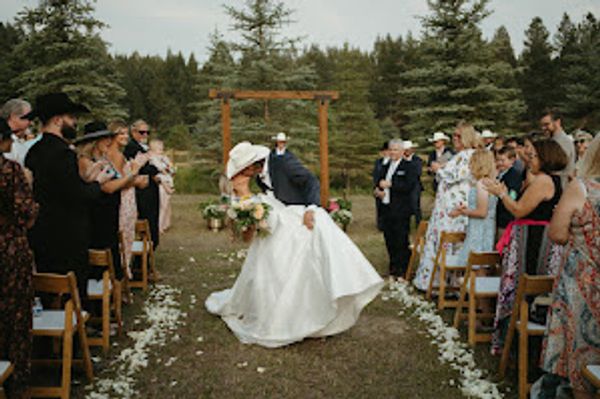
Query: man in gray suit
[{"x": 290, "y": 181}]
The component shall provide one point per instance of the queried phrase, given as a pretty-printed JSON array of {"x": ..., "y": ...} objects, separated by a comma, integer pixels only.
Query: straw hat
[
  {"x": 280, "y": 137},
  {"x": 243, "y": 155},
  {"x": 438, "y": 136}
]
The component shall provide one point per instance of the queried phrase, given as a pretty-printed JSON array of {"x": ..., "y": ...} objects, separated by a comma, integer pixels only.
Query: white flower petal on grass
[
  {"x": 173, "y": 383},
  {"x": 198, "y": 353},
  {"x": 242, "y": 364},
  {"x": 447, "y": 339},
  {"x": 192, "y": 260},
  {"x": 200, "y": 339},
  {"x": 261, "y": 370}
]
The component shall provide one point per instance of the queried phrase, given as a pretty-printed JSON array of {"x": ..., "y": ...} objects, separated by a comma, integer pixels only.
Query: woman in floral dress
[
  {"x": 573, "y": 335},
  {"x": 17, "y": 213},
  {"x": 452, "y": 192}
]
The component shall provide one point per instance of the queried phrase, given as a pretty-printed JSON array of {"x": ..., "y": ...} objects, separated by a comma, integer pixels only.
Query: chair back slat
[
  {"x": 102, "y": 258},
  {"x": 51, "y": 283},
  {"x": 451, "y": 237},
  {"x": 421, "y": 230},
  {"x": 536, "y": 285},
  {"x": 484, "y": 258}
]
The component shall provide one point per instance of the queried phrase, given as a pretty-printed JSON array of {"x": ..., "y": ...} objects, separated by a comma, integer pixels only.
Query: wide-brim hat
[
  {"x": 437, "y": 136},
  {"x": 488, "y": 134},
  {"x": 243, "y": 155},
  {"x": 93, "y": 131},
  {"x": 407, "y": 144},
  {"x": 49, "y": 105},
  {"x": 582, "y": 135},
  {"x": 5, "y": 130},
  {"x": 279, "y": 137}
]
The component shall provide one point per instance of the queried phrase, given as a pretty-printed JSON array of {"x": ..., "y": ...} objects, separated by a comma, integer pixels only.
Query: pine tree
[
  {"x": 460, "y": 78},
  {"x": 63, "y": 51},
  {"x": 10, "y": 37},
  {"x": 501, "y": 47},
  {"x": 538, "y": 71}
]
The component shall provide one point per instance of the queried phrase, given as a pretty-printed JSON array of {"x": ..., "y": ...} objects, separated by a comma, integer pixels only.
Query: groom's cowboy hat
[
  {"x": 437, "y": 136},
  {"x": 93, "y": 131},
  {"x": 279, "y": 137},
  {"x": 243, "y": 155},
  {"x": 49, "y": 105}
]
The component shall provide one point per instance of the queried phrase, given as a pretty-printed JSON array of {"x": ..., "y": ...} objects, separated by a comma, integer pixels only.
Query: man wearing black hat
[
  {"x": 147, "y": 198},
  {"x": 60, "y": 236}
]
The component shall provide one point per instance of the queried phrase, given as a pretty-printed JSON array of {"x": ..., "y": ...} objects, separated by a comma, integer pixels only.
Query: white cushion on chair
[
  {"x": 52, "y": 320},
  {"x": 594, "y": 369},
  {"x": 95, "y": 287},
  {"x": 4, "y": 365},
  {"x": 533, "y": 327},
  {"x": 137, "y": 246},
  {"x": 487, "y": 285}
]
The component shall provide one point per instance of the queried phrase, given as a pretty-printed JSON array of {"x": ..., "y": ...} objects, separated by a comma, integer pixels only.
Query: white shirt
[
  {"x": 20, "y": 148},
  {"x": 388, "y": 177},
  {"x": 279, "y": 152}
]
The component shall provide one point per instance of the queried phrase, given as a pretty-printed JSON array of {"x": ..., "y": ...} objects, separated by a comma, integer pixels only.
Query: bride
[{"x": 298, "y": 281}]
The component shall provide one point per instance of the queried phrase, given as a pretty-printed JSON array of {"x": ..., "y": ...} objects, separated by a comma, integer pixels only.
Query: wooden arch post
[{"x": 323, "y": 99}]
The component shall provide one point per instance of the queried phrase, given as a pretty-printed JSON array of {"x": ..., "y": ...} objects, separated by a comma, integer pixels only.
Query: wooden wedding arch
[{"x": 323, "y": 98}]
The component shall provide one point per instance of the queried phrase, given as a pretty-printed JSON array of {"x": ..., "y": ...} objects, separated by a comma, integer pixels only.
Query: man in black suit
[
  {"x": 397, "y": 181},
  {"x": 513, "y": 179},
  {"x": 379, "y": 164},
  {"x": 415, "y": 196},
  {"x": 439, "y": 156},
  {"x": 289, "y": 180},
  {"x": 147, "y": 198},
  {"x": 60, "y": 236}
]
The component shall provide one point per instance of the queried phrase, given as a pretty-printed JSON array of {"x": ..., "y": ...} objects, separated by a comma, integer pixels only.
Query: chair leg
[
  {"x": 85, "y": 350},
  {"x": 118, "y": 293},
  {"x": 523, "y": 352},
  {"x": 145, "y": 272},
  {"x": 510, "y": 334},
  {"x": 105, "y": 320},
  {"x": 152, "y": 259},
  {"x": 431, "y": 280},
  {"x": 472, "y": 313},
  {"x": 442, "y": 289},
  {"x": 67, "y": 356},
  {"x": 458, "y": 315}
]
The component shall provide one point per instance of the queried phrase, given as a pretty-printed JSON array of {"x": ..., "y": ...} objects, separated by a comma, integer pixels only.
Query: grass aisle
[{"x": 384, "y": 356}]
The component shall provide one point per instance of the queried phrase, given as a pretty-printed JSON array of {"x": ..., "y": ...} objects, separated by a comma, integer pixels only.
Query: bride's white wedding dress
[{"x": 297, "y": 283}]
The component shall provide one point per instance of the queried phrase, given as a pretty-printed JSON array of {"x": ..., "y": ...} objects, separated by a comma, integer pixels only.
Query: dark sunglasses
[{"x": 144, "y": 131}]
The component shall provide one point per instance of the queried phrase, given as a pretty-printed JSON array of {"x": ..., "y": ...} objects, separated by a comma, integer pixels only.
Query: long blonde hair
[
  {"x": 468, "y": 135},
  {"x": 482, "y": 164},
  {"x": 590, "y": 164}
]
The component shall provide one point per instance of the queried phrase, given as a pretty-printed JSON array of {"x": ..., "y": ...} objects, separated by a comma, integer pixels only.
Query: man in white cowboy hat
[
  {"x": 417, "y": 162},
  {"x": 290, "y": 181},
  {"x": 440, "y": 155},
  {"x": 489, "y": 138}
]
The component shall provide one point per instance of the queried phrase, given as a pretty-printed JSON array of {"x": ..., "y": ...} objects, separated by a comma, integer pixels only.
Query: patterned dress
[
  {"x": 17, "y": 210},
  {"x": 127, "y": 217},
  {"x": 573, "y": 334},
  {"x": 453, "y": 190}
]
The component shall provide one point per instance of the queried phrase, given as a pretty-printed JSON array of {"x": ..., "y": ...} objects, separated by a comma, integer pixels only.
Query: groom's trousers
[{"x": 396, "y": 227}]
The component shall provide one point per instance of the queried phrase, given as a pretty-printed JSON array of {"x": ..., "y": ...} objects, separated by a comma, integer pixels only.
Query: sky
[{"x": 153, "y": 26}]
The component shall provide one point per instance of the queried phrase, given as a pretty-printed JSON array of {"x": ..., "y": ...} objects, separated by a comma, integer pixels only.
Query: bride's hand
[{"x": 309, "y": 219}]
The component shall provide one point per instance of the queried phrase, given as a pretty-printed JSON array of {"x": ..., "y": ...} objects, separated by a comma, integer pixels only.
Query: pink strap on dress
[{"x": 505, "y": 239}]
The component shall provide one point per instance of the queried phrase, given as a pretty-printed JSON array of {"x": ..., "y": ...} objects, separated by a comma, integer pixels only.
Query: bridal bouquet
[
  {"x": 340, "y": 211},
  {"x": 248, "y": 217}
]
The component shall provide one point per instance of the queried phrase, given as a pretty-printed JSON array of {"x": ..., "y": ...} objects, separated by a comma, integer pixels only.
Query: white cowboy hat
[
  {"x": 280, "y": 137},
  {"x": 243, "y": 155},
  {"x": 438, "y": 136},
  {"x": 409, "y": 144},
  {"x": 488, "y": 134}
]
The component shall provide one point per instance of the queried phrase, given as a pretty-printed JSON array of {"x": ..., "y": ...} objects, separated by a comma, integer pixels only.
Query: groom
[{"x": 289, "y": 180}]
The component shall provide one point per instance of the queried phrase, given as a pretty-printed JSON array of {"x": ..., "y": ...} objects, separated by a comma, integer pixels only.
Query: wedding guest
[
  {"x": 582, "y": 141},
  {"x": 498, "y": 143},
  {"x": 489, "y": 139},
  {"x": 128, "y": 207},
  {"x": 573, "y": 333},
  {"x": 13, "y": 111},
  {"x": 524, "y": 245},
  {"x": 104, "y": 211},
  {"x": 440, "y": 155},
  {"x": 384, "y": 158},
  {"x": 17, "y": 213},
  {"x": 60, "y": 237},
  {"x": 516, "y": 143},
  {"x": 166, "y": 186},
  {"x": 510, "y": 176},
  {"x": 453, "y": 190},
  {"x": 415, "y": 195},
  {"x": 551, "y": 124},
  {"x": 148, "y": 200},
  {"x": 397, "y": 181},
  {"x": 480, "y": 209}
]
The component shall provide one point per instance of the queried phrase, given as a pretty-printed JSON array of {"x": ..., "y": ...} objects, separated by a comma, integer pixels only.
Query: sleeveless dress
[
  {"x": 530, "y": 251},
  {"x": 573, "y": 334},
  {"x": 296, "y": 283},
  {"x": 127, "y": 217},
  {"x": 481, "y": 232}
]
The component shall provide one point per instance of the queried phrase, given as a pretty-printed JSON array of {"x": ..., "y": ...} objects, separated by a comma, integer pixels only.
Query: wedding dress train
[{"x": 297, "y": 283}]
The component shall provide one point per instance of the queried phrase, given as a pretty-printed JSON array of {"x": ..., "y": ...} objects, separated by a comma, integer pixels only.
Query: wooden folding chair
[
  {"x": 416, "y": 249},
  {"x": 447, "y": 239},
  {"x": 103, "y": 290},
  {"x": 61, "y": 324},
  {"x": 125, "y": 287},
  {"x": 6, "y": 369},
  {"x": 591, "y": 372},
  {"x": 142, "y": 248},
  {"x": 478, "y": 287},
  {"x": 519, "y": 322}
]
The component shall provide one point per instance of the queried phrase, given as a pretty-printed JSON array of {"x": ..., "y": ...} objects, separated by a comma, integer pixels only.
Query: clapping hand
[
  {"x": 105, "y": 174},
  {"x": 495, "y": 187},
  {"x": 458, "y": 211}
]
